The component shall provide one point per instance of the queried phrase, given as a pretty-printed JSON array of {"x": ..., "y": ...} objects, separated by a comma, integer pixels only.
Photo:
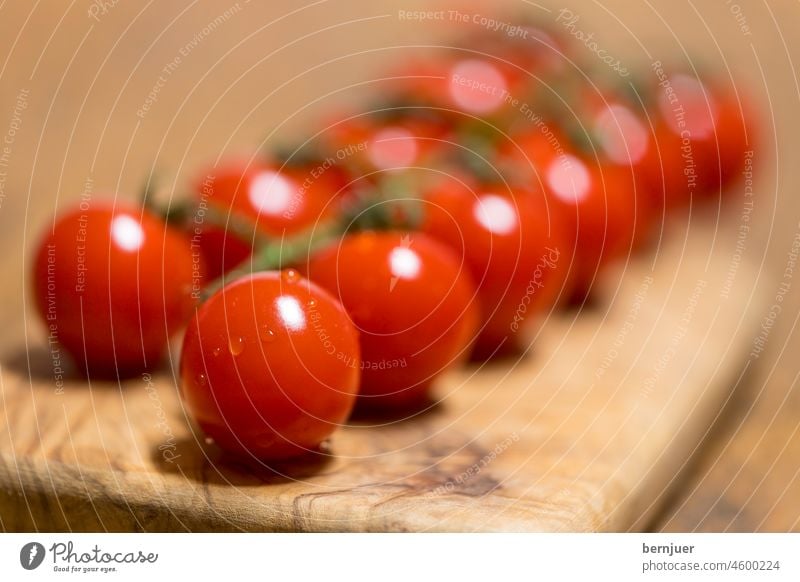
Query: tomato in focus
[{"x": 270, "y": 366}]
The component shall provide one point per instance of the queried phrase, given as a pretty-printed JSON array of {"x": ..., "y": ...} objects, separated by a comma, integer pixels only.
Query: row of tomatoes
[{"x": 440, "y": 224}]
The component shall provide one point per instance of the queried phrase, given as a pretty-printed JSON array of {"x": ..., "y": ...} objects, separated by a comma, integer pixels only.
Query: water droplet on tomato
[
  {"x": 312, "y": 302},
  {"x": 236, "y": 345},
  {"x": 290, "y": 276},
  {"x": 201, "y": 379},
  {"x": 216, "y": 351},
  {"x": 267, "y": 335}
]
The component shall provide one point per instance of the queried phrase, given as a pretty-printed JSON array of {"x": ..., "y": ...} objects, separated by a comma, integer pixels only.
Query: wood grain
[{"x": 586, "y": 433}]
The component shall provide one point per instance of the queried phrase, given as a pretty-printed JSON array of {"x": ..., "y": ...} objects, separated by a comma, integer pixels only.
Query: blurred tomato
[
  {"x": 515, "y": 248},
  {"x": 703, "y": 133},
  {"x": 239, "y": 201}
]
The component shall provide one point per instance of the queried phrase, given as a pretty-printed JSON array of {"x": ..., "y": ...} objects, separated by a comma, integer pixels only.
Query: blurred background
[{"x": 98, "y": 96}]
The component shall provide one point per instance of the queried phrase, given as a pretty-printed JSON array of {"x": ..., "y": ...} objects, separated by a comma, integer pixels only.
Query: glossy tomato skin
[
  {"x": 413, "y": 303},
  {"x": 112, "y": 283},
  {"x": 241, "y": 201},
  {"x": 515, "y": 247},
  {"x": 270, "y": 366}
]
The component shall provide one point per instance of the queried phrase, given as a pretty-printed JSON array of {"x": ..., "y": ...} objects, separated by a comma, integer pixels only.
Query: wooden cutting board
[{"x": 587, "y": 432}]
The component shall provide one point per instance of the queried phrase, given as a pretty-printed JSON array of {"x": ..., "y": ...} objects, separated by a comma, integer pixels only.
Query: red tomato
[
  {"x": 596, "y": 198},
  {"x": 239, "y": 200},
  {"x": 600, "y": 201},
  {"x": 270, "y": 366},
  {"x": 413, "y": 304},
  {"x": 703, "y": 134},
  {"x": 112, "y": 283},
  {"x": 625, "y": 141},
  {"x": 372, "y": 146},
  {"x": 462, "y": 86},
  {"x": 515, "y": 248}
]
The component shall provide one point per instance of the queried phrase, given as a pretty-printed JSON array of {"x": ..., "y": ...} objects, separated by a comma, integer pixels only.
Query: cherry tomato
[
  {"x": 623, "y": 140},
  {"x": 597, "y": 200},
  {"x": 112, "y": 283},
  {"x": 460, "y": 86},
  {"x": 370, "y": 145},
  {"x": 704, "y": 133},
  {"x": 239, "y": 201},
  {"x": 515, "y": 247},
  {"x": 270, "y": 366},
  {"x": 413, "y": 303}
]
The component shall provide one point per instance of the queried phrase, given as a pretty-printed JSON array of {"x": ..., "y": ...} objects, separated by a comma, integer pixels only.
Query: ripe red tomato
[
  {"x": 515, "y": 247},
  {"x": 596, "y": 198},
  {"x": 413, "y": 303},
  {"x": 370, "y": 145},
  {"x": 239, "y": 200},
  {"x": 704, "y": 132},
  {"x": 461, "y": 86},
  {"x": 112, "y": 283},
  {"x": 624, "y": 141},
  {"x": 270, "y": 366}
]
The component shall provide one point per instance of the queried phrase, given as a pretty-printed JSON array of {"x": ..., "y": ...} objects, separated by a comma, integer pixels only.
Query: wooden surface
[
  {"x": 587, "y": 433},
  {"x": 273, "y": 67}
]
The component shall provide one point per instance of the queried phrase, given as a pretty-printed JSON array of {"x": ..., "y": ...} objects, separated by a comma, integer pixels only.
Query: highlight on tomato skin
[
  {"x": 516, "y": 248},
  {"x": 112, "y": 283},
  {"x": 270, "y": 366},
  {"x": 414, "y": 304}
]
